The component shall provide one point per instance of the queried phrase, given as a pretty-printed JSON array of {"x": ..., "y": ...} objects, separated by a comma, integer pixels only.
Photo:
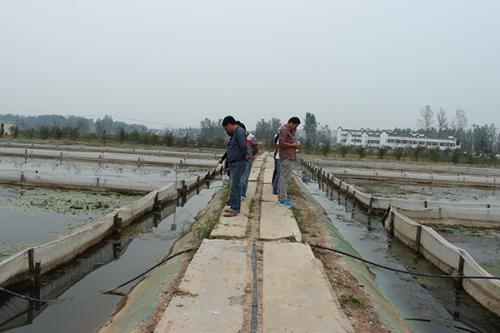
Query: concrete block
[
  {"x": 297, "y": 296},
  {"x": 211, "y": 295},
  {"x": 277, "y": 222}
]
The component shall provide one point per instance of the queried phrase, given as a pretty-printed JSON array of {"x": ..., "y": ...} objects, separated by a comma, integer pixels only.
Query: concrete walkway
[{"x": 215, "y": 294}]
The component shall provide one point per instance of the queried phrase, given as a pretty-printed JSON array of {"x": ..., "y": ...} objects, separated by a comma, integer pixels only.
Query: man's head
[
  {"x": 229, "y": 124},
  {"x": 293, "y": 123}
]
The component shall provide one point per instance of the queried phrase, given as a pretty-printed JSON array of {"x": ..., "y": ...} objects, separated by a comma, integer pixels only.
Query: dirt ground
[{"x": 355, "y": 303}]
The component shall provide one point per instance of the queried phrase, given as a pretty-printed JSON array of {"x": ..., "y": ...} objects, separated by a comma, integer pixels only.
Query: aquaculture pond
[
  {"x": 34, "y": 215},
  {"x": 429, "y": 304},
  {"x": 424, "y": 192},
  {"x": 106, "y": 265},
  {"x": 482, "y": 244},
  {"x": 124, "y": 175}
]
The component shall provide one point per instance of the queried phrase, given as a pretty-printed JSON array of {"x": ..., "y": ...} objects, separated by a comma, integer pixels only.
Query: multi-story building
[
  {"x": 6, "y": 127},
  {"x": 385, "y": 138}
]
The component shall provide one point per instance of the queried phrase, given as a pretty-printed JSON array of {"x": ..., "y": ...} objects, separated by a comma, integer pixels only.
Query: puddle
[
  {"x": 104, "y": 266},
  {"x": 429, "y": 305}
]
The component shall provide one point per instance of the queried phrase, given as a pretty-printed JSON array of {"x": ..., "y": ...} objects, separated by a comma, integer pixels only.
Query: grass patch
[
  {"x": 203, "y": 230},
  {"x": 251, "y": 206},
  {"x": 298, "y": 215},
  {"x": 351, "y": 299}
]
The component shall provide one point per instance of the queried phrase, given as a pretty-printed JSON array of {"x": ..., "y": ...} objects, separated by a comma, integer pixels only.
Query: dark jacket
[{"x": 237, "y": 149}]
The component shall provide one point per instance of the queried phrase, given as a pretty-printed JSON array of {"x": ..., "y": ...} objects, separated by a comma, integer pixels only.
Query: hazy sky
[{"x": 351, "y": 63}]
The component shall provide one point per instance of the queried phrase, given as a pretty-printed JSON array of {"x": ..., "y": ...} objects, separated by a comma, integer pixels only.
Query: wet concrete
[
  {"x": 106, "y": 265},
  {"x": 429, "y": 305}
]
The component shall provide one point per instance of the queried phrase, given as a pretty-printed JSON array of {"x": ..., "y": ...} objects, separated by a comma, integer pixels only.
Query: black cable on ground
[
  {"x": 109, "y": 291},
  {"x": 442, "y": 276},
  {"x": 164, "y": 260}
]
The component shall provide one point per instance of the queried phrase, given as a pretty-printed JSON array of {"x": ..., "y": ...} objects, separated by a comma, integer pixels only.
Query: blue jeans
[
  {"x": 276, "y": 176},
  {"x": 244, "y": 178},
  {"x": 236, "y": 169}
]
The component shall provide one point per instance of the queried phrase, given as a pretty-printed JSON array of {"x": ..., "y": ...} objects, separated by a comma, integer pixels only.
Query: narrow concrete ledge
[
  {"x": 231, "y": 227},
  {"x": 267, "y": 194},
  {"x": 268, "y": 175},
  {"x": 254, "y": 175},
  {"x": 297, "y": 296},
  {"x": 211, "y": 295},
  {"x": 277, "y": 222}
]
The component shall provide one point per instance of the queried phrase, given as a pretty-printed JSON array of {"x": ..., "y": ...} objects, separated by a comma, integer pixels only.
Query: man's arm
[
  {"x": 282, "y": 141},
  {"x": 241, "y": 140}
]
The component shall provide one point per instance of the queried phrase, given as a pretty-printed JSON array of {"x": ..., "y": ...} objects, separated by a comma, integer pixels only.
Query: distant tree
[
  {"x": 361, "y": 152},
  {"x": 442, "y": 120},
  {"x": 460, "y": 122},
  {"x": 15, "y": 132},
  {"x": 398, "y": 153},
  {"x": 425, "y": 119},
  {"x": 135, "y": 136},
  {"x": 44, "y": 132},
  {"x": 416, "y": 152},
  {"x": 310, "y": 129},
  {"x": 168, "y": 138},
  {"x": 343, "y": 150},
  {"x": 122, "y": 135},
  {"x": 435, "y": 154},
  {"x": 73, "y": 133},
  {"x": 455, "y": 158},
  {"x": 381, "y": 152}
]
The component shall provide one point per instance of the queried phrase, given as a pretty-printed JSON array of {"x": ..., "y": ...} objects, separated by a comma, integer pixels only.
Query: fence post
[
  {"x": 117, "y": 224},
  {"x": 417, "y": 238},
  {"x": 370, "y": 206},
  {"x": 460, "y": 282},
  {"x": 35, "y": 268}
]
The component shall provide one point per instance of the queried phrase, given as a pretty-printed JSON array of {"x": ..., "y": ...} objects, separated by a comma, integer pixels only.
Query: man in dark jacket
[{"x": 236, "y": 157}]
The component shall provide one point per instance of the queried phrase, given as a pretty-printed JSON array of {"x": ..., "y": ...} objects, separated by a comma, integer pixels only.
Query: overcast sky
[{"x": 351, "y": 63}]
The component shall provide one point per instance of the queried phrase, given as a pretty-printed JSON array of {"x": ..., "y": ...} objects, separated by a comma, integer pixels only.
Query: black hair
[
  {"x": 240, "y": 124},
  {"x": 294, "y": 120},
  {"x": 228, "y": 120}
]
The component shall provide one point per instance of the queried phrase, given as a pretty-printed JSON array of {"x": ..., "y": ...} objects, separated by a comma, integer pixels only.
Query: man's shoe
[
  {"x": 242, "y": 198},
  {"x": 230, "y": 213},
  {"x": 284, "y": 202}
]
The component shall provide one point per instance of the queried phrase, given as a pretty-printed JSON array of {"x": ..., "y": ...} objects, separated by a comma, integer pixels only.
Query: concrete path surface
[
  {"x": 212, "y": 293},
  {"x": 297, "y": 294},
  {"x": 216, "y": 292},
  {"x": 277, "y": 222}
]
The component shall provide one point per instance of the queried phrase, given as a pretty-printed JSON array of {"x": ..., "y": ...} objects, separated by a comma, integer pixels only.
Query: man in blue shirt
[{"x": 236, "y": 158}]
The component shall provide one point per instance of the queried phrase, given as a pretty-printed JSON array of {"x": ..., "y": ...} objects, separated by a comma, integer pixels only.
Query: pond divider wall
[
  {"x": 447, "y": 257},
  {"x": 381, "y": 205},
  {"x": 22, "y": 266},
  {"x": 420, "y": 167},
  {"x": 76, "y": 147},
  {"x": 109, "y": 157},
  {"x": 425, "y": 240},
  {"x": 73, "y": 182},
  {"x": 423, "y": 178}
]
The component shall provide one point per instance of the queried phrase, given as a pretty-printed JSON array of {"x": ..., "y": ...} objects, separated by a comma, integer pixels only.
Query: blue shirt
[{"x": 237, "y": 149}]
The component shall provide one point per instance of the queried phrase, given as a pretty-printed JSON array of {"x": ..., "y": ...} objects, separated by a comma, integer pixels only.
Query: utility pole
[{"x": 474, "y": 126}]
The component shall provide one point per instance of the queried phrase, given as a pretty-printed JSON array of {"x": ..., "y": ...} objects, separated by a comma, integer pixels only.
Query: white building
[
  {"x": 377, "y": 139},
  {"x": 6, "y": 127}
]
